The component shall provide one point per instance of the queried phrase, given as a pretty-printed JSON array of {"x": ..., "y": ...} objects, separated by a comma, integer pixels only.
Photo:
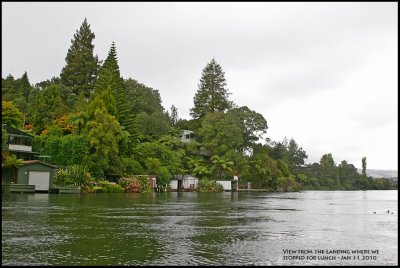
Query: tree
[
  {"x": 10, "y": 115},
  {"x": 47, "y": 105},
  {"x": 364, "y": 167},
  {"x": 107, "y": 140},
  {"x": 81, "y": 69},
  {"x": 110, "y": 79},
  {"x": 8, "y": 88},
  {"x": 212, "y": 94},
  {"x": 142, "y": 98},
  {"x": 295, "y": 155},
  {"x": 24, "y": 87},
  {"x": 253, "y": 125},
  {"x": 153, "y": 126},
  {"x": 348, "y": 175},
  {"x": 221, "y": 168},
  {"x": 174, "y": 115},
  {"x": 220, "y": 133},
  {"x": 328, "y": 170}
]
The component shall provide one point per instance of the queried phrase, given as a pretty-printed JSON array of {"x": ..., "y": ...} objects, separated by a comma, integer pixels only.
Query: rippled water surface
[{"x": 239, "y": 228}]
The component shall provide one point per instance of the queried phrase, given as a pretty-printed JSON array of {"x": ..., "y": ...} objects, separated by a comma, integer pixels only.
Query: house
[
  {"x": 184, "y": 183},
  {"x": 32, "y": 172},
  {"x": 230, "y": 185},
  {"x": 19, "y": 144},
  {"x": 187, "y": 136}
]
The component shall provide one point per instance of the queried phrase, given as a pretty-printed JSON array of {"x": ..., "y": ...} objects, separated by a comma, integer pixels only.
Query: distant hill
[{"x": 379, "y": 173}]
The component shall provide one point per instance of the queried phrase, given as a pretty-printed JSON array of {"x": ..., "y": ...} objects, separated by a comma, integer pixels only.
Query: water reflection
[{"x": 239, "y": 228}]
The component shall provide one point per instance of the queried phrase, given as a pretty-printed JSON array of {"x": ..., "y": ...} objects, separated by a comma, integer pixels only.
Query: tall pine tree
[
  {"x": 110, "y": 79},
  {"x": 212, "y": 94},
  {"x": 81, "y": 69}
]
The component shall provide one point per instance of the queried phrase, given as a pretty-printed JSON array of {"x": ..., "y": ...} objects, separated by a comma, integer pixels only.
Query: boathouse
[
  {"x": 184, "y": 183},
  {"x": 38, "y": 175}
]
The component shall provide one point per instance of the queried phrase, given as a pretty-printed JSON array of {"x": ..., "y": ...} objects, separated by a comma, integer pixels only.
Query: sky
[{"x": 324, "y": 74}]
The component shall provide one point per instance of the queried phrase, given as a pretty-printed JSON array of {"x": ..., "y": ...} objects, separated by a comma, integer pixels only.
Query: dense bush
[
  {"x": 62, "y": 178},
  {"x": 288, "y": 184},
  {"x": 107, "y": 187},
  {"x": 209, "y": 186},
  {"x": 77, "y": 175},
  {"x": 136, "y": 184}
]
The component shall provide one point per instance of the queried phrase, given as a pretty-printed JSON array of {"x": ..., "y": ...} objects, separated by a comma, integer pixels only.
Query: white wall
[
  {"x": 226, "y": 184},
  {"x": 173, "y": 184}
]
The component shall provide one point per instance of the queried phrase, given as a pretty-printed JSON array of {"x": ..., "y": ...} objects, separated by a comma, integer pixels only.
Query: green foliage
[
  {"x": 167, "y": 156},
  {"x": 11, "y": 162},
  {"x": 295, "y": 155},
  {"x": 206, "y": 185},
  {"x": 106, "y": 135},
  {"x": 17, "y": 91},
  {"x": 4, "y": 138},
  {"x": 110, "y": 80},
  {"x": 10, "y": 115},
  {"x": 79, "y": 174},
  {"x": 131, "y": 167},
  {"x": 220, "y": 133},
  {"x": 198, "y": 168},
  {"x": 287, "y": 184},
  {"x": 212, "y": 94},
  {"x": 173, "y": 116},
  {"x": 81, "y": 67},
  {"x": 63, "y": 150},
  {"x": 154, "y": 125},
  {"x": 364, "y": 167},
  {"x": 252, "y": 124},
  {"x": 143, "y": 99},
  {"x": 154, "y": 167},
  {"x": 221, "y": 167},
  {"x": 47, "y": 105},
  {"x": 107, "y": 187},
  {"x": 63, "y": 178}
]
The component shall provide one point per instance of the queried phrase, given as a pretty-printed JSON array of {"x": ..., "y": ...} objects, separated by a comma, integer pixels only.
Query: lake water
[{"x": 231, "y": 228}]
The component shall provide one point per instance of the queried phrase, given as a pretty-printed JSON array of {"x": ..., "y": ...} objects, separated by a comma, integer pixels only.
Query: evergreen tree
[
  {"x": 212, "y": 94},
  {"x": 364, "y": 167},
  {"x": 110, "y": 79},
  {"x": 24, "y": 87},
  {"x": 8, "y": 92},
  {"x": 174, "y": 115},
  {"x": 81, "y": 69}
]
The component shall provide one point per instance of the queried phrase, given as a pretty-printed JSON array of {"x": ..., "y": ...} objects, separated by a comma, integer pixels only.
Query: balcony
[{"x": 23, "y": 148}]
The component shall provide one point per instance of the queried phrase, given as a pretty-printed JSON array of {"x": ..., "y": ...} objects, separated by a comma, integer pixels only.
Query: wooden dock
[
  {"x": 22, "y": 188},
  {"x": 66, "y": 190}
]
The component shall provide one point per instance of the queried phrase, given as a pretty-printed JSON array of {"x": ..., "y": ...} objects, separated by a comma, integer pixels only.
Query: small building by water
[
  {"x": 32, "y": 172},
  {"x": 184, "y": 183}
]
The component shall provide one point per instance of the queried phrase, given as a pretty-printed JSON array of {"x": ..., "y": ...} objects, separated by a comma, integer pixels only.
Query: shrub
[
  {"x": 107, "y": 187},
  {"x": 287, "y": 184},
  {"x": 136, "y": 184},
  {"x": 73, "y": 175},
  {"x": 209, "y": 186},
  {"x": 62, "y": 178}
]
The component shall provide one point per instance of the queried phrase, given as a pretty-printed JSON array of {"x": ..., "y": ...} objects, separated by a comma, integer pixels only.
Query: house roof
[
  {"x": 30, "y": 162},
  {"x": 12, "y": 131}
]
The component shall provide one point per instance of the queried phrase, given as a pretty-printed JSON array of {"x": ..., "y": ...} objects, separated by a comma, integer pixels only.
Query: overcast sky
[{"x": 323, "y": 73}]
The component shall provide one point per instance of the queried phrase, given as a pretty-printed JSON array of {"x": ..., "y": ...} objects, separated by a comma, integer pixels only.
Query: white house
[
  {"x": 184, "y": 182},
  {"x": 187, "y": 136}
]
